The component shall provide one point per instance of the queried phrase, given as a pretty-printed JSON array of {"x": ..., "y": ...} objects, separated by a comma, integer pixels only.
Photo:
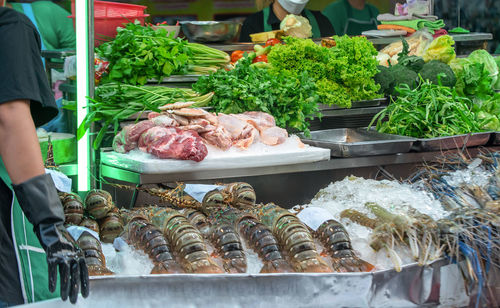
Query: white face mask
[{"x": 293, "y": 6}]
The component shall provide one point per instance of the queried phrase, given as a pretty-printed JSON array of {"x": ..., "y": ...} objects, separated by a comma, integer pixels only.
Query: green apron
[
  {"x": 31, "y": 258},
  {"x": 312, "y": 20},
  {"x": 356, "y": 26}
]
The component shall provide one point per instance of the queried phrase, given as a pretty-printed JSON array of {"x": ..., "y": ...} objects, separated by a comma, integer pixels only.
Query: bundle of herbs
[
  {"x": 290, "y": 97},
  {"x": 115, "y": 103},
  {"x": 428, "y": 111},
  {"x": 139, "y": 54}
]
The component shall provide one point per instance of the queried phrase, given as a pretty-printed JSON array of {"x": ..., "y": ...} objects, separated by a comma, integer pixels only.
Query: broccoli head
[
  {"x": 403, "y": 75},
  {"x": 385, "y": 79},
  {"x": 414, "y": 63},
  {"x": 433, "y": 68}
]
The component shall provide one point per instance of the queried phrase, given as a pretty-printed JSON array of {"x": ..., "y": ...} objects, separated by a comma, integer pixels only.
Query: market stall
[{"x": 184, "y": 143}]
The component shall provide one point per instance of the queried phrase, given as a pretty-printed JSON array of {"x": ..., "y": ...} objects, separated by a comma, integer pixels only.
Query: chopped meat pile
[{"x": 182, "y": 134}]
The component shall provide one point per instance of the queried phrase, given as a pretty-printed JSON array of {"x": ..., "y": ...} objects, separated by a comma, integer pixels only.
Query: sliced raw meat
[
  {"x": 251, "y": 135},
  {"x": 233, "y": 125},
  {"x": 212, "y": 118},
  {"x": 165, "y": 121},
  {"x": 258, "y": 119},
  {"x": 273, "y": 135},
  {"x": 218, "y": 137},
  {"x": 180, "y": 119},
  {"x": 152, "y": 115}
]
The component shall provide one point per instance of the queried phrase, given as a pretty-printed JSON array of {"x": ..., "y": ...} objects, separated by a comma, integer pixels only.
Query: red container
[{"x": 110, "y": 15}]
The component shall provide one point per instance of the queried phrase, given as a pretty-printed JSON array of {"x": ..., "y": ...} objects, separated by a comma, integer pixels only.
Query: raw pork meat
[
  {"x": 127, "y": 139},
  {"x": 119, "y": 144},
  {"x": 135, "y": 131},
  {"x": 171, "y": 142}
]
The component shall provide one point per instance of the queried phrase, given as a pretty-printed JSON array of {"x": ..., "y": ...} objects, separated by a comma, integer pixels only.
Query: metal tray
[
  {"x": 451, "y": 142},
  {"x": 359, "y": 104},
  {"x": 347, "y": 142}
]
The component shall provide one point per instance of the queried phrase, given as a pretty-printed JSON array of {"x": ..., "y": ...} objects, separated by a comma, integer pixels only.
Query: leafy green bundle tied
[
  {"x": 428, "y": 111},
  {"x": 290, "y": 98},
  {"x": 343, "y": 73},
  {"x": 139, "y": 53}
]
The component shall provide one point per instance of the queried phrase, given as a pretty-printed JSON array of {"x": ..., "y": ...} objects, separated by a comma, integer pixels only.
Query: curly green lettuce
[{"x": 343, "y": 73}]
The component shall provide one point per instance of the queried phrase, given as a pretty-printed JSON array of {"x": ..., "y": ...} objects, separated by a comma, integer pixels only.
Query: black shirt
[
  {"x": 255, "y": 24},
  {"x": 21, "y": 77},
  {"x": 21, "y": 69}
]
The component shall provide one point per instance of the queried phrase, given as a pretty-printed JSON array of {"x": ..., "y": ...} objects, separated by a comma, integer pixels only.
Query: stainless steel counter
[
  {"x": 112, "y": 172},
  {"x": 414, "y": 286}
]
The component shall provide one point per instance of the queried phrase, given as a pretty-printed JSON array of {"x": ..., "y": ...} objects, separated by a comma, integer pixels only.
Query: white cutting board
[{"x": 257, "y": 155}]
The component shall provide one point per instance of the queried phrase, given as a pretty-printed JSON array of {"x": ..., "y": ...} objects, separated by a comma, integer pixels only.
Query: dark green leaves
[
  {"x": 428, "y": 111},
  {"x": 141, "y": 53},
  {"x": 290, "y": 98}
]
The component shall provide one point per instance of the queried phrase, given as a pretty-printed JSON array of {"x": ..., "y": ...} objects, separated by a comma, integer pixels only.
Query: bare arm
[{"x": 19, "y": 147}]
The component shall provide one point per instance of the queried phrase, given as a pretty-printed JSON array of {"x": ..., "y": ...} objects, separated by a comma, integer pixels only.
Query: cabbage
[
  {"x": 441, "y": 49},
  {"x": 296, "y": 26},
  {"x": 496, "y": 86},
  {"x": 484, "y": 57}
]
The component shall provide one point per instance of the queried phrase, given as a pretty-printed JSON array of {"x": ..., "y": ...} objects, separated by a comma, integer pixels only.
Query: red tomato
[
  {"x": 272, "y": 42},
  {"x": 261, "y": 58},
  {"x": 236, "y": 55}
]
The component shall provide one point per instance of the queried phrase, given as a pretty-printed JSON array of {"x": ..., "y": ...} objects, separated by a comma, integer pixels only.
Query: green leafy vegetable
[
  {"x": 496, "y": 86},
  {"x": 343, "y": 73},
  {"x": 139, "y": 54},
  {"x": 290, "y": 98},
  {"x": 441, "y": 49},
  {"x": 415, "y": 63},
  {"x": 482, "y": 56},
  {"x": 428, "y": 111},
  {"x": 438, "y": 72}
]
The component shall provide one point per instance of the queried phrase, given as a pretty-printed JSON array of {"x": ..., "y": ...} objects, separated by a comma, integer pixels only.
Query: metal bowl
[{"x": 211, "y": 31}]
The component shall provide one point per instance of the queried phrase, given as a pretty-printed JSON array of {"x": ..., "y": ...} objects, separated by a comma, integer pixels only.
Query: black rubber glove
[{"x": 40, "y": 203}]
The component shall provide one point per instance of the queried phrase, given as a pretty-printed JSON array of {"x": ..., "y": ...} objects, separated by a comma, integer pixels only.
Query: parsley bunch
[{"x": 290, "y": 98}]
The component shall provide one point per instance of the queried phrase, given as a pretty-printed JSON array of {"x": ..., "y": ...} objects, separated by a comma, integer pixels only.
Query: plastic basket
[{"x": 110, "y": 15}]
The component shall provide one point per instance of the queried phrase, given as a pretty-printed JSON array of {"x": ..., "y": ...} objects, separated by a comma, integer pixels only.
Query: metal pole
[
  {"x": 91, "y": 84},
  {"x": 83, "y": 23}
]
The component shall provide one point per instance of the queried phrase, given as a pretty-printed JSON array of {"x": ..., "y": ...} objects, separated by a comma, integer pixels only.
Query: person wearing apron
[
  {"x": 270, "y": 17},
  {"x": 352, "y": 17},
  {"x": 33, "y": 241}
]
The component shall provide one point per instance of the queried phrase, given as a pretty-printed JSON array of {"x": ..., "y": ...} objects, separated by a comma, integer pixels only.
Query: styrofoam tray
[{"x": 258, "y": 155}]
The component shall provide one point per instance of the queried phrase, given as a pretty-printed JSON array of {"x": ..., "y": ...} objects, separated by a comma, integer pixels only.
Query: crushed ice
[{"x": 353, "y": 193}]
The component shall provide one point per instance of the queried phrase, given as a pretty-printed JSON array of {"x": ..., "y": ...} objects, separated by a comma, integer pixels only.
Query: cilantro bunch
[
  {"x": 139, "y": 54},
  {"x": 343, "y": 73},
  {"x": 290, "y": 98}
]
